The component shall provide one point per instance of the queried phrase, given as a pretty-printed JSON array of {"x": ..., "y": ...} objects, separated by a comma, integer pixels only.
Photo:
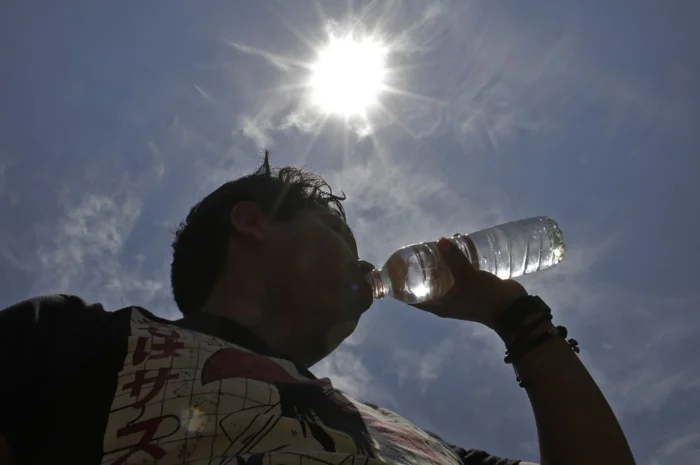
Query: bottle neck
[{"x": 374, "y": 278}]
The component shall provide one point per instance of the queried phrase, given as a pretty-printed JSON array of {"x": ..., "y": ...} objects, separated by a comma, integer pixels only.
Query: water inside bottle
[
  {"x": 415, "y": 274},
  {"x": 520, "y": 247}
]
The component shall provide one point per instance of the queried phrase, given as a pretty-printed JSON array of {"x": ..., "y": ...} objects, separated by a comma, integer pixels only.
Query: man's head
[{"x": 272, "y": 251}]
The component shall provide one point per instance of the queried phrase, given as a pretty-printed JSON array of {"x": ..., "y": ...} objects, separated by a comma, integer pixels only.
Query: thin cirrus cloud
[{"x": 494, "y": 113}]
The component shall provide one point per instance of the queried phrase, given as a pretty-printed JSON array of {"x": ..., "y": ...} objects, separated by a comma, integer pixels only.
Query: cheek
[
  {"x": 320, "y": 274},
  {"x": 313, "y": 266},
  {"x": 320, "y": 260}
]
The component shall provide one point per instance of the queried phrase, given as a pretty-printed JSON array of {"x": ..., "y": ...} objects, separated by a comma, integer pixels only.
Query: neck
[{"x": 252, "y": 315}]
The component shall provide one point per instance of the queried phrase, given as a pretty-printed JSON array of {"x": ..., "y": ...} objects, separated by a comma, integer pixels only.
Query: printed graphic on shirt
[
  {"x": 400, "y": 441},
  {"x": 185, "y": 397}
]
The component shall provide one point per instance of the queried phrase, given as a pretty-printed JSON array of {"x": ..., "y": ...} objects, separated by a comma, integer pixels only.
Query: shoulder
[
  {"x": 477, "y": 456},
  {"x": 54, "y": 314},
  {"x": 49, "y": 305},
  {"x": 51, "y": 310}
]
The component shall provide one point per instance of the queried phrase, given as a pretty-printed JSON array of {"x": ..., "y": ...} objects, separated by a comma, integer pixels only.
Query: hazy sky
[{"x": 117, "y": 116}]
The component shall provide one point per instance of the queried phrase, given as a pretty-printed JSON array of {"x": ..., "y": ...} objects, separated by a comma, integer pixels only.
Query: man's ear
[{"x": 249, "y": 221}]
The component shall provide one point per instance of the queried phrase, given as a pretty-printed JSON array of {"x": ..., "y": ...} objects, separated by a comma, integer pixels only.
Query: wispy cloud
[
  {"x": 422, "y": 367},
  {"x": 83, "y": 253},
  {"x": 400, "y": 200},
  {"x": 347, "y": 371},
  {"x": 81, "y": 245},
  {"x": 681, "y": 450},
  {"x": 644, "y": 370},
  {"x": 256, "y": 130}
]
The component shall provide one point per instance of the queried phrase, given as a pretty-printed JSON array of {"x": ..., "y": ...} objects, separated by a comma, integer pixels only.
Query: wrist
[
  {"x": 499, "y": 307},
  {"x": 526, "y": 317},
  {"x": 510, "y": 336}
]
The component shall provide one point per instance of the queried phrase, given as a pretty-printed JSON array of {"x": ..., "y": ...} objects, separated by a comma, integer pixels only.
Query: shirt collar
[{"x": 230, "y": 331}]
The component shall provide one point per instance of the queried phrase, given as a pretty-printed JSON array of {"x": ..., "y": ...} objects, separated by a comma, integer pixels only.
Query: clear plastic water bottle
[{"x": 416, "y": 274}]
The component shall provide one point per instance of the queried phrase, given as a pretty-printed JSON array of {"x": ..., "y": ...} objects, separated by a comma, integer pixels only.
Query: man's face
[{"x": 314, "y": 275}]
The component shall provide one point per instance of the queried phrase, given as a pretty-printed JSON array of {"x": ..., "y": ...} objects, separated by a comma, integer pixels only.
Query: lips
[
  {"x": 358, "y": 289},
  {"x": 363, "y": 294}
]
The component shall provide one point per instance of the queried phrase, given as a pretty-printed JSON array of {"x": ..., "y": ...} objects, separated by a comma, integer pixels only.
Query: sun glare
[{"x": 348, "y": 76}]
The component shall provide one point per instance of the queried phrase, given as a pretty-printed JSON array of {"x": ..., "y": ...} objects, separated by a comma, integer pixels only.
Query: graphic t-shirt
[{"x": 80, "y": 385}]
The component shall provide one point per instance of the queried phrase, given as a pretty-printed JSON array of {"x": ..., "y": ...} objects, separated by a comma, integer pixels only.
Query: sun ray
[
  {"x": 351, "y": 9},
  {"x": 205, "y": 95},
  {"x": 348, "y": 75},
  {"x": 397, "y": 120},
  {"x": 381, "y": 18},
  {"x": 406, "y": 93},
  {"x": 364, "y": 11},
  {"x": 346, "y": 143},
  {"x": 377, "y": 149},
  {"x": 291, "y": 28},
  {"x": 406, "y": 32},
  {"x": 280, "y": 61},
  {"x": 413, "y": 66},
  {"x": 320, "y": 14},
  {"x": 408, "y": 131},
  {"x": 314, "y": 137},
  {"x": 283, "y": 88}
]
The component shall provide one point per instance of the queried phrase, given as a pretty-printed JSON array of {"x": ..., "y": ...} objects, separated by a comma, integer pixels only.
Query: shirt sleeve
[
  {"x": 33, "y": 335},
  {"x": 468, "y": 456},
  {"x": 475, "y": 456}
]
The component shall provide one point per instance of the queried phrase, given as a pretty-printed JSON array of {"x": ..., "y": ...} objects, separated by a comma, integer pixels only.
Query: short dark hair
[{"x": 201, "y": 240}]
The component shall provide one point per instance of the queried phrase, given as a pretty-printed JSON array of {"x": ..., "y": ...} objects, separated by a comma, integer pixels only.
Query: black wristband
[
  {"x": 517, "y": 353},
  {"x": 526, "y": 331},
  {"x": 514, "y": 317},
  {"x": 559, "y": 331}
]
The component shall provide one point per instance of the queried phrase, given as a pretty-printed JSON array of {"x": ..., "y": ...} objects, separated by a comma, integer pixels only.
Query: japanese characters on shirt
[{"x": 186, "y": 397}]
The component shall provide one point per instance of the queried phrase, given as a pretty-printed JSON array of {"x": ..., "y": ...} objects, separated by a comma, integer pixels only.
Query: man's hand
[
  {"x": 575, "y": 424},
  {"x": 476, "y": 295}
]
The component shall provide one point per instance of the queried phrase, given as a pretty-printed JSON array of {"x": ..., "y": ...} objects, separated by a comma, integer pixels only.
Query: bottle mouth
[{"x": 375, "y": 281}]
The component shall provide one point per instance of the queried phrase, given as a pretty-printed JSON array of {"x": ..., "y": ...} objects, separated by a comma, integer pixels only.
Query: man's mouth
[{"x": 358, "y": 290}]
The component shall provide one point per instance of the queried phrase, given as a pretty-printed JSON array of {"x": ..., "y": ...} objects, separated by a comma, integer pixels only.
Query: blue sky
[{"x": 115, "y": 117}]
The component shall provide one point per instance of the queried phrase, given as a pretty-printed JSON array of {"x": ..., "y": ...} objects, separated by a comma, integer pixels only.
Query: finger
[{"x": 459, "y": 264}]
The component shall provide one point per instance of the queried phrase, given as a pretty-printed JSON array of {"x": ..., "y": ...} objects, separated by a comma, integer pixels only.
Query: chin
[{"x": 336, "y": 335}]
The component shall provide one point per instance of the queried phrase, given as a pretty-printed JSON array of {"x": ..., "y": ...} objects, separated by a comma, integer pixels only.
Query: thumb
[{"x": 459, "y": 264}]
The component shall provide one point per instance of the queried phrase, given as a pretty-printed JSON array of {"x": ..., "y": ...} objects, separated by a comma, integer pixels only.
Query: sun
[{"x": 348, "y": 76}]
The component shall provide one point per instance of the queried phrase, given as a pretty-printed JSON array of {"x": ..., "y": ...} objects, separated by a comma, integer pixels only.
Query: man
[{"x": 267, "y": 275}]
